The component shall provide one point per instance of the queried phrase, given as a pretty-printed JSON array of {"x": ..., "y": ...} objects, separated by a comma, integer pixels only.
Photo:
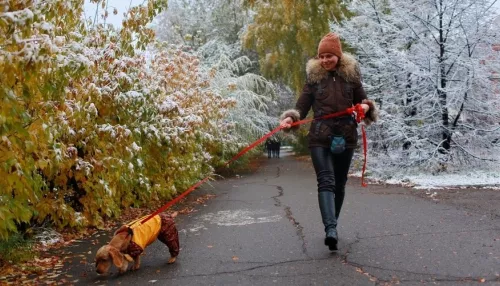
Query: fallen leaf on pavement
[{"x": 187, "y": 210}]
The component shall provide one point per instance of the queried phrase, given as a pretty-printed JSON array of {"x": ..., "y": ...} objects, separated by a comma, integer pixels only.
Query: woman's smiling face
[{"x": 328, "y": 61}]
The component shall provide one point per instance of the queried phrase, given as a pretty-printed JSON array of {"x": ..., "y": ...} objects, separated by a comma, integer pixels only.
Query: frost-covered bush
[
  {"x": 89, "y": 124},
  {"x": 252, "y": 93}
]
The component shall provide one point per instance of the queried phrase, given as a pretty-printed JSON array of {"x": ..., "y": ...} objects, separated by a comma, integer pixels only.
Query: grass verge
[{"x": 16, "y": 250}]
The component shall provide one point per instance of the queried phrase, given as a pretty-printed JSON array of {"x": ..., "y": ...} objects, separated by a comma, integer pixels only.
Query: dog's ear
[
  {"x": 123, "y": 228},
  {"x": 117, "y": 257},
  {"x": 174, "y": 214},
  {"x": 121, "y": 239}
]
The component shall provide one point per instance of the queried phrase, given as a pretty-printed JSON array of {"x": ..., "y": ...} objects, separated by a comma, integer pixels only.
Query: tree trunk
[
  {"x": 446, "y": 136},
  {"x": 410, "y": 111}
]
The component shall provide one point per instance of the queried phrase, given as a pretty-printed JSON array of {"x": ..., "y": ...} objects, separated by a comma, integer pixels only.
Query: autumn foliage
[
  {"x": 285, "y": 34},
  {"x": 92, "y": 122}
]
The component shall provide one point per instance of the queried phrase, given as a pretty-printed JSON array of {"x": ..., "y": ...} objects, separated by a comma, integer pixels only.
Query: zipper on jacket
[{"x": 333, "y": 74}]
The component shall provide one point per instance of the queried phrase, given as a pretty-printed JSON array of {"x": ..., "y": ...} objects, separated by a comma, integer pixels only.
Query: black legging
[{"x": 331, "y": 172}]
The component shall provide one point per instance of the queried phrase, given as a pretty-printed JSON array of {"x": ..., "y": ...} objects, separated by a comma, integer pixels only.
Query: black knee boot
[
  {"x": 327, "y": 208},
  {"x": 339, "y": 201}
]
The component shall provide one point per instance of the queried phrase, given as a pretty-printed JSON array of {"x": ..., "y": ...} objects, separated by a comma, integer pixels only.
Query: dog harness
[{"x": 145, "y": 233}]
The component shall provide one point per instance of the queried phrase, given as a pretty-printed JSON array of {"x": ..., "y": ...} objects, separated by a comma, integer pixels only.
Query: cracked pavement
[{"x": 265, "y": 228}]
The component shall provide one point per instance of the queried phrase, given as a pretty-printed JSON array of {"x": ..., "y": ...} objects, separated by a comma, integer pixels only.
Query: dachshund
[{"x": 130, "y": 240}]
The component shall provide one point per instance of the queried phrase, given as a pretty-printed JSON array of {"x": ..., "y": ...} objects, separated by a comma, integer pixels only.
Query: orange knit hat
[{"x": 330, "y": 43}]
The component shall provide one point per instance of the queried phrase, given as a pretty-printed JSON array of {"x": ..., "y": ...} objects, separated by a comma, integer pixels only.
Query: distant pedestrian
[
  {"x": 269, "y": 148},
  {"x": 274, "y": 144},
  {"x": 278, "y": 148}
]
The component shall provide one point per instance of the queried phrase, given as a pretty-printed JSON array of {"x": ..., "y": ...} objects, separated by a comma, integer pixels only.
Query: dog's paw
[
  {"x": 171, "y": 260},
  {"x": 128, "y": 258},
  {"x": 136, "y": 267}
]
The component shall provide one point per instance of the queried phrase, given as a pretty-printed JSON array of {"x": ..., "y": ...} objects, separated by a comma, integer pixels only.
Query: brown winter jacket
[{"x": 330, "y": 92}]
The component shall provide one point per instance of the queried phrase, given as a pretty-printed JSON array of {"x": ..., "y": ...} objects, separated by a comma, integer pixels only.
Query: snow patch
[
  {"x": 459, "y": 179},
  {"x": 197, "y": 227},
  {"x": 240, "y": 217},
  {"x": 48, "y": 237}
]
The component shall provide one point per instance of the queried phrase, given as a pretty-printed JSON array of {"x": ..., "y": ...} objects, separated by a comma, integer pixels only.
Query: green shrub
[
  {"x": 300, "y": 144},
  {"x": 15, "y": 250}
]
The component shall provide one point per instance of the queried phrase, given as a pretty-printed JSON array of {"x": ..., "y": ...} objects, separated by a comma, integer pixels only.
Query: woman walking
[{"x": 333, "y": 85}]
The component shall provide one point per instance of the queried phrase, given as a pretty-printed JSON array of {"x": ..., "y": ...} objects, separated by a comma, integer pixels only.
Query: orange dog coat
[
  {"x": 146, "y": 233},
  {"x": 160, "y": 226}
]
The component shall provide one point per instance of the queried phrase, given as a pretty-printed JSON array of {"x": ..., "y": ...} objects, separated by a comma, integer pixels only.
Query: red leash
[
  {"x": 365, "y": 149},
  {"x": 360, "y": 114},
  {"x": 357, "y": 110}
]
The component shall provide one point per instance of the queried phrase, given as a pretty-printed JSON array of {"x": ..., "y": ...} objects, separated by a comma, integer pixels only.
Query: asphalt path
[{"x": 265, "y": 228}]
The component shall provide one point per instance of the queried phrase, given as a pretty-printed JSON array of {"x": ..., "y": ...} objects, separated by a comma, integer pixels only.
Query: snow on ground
[
  {"x": 489, "y": 179},
  {"x": 482, "y": 179},
  {"x": 48, "y": 237},
  {"x": 387, "y": 170}
]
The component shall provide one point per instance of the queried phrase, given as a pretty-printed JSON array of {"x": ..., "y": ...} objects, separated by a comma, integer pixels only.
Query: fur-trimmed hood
[{"x": 347, "y": 68}]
